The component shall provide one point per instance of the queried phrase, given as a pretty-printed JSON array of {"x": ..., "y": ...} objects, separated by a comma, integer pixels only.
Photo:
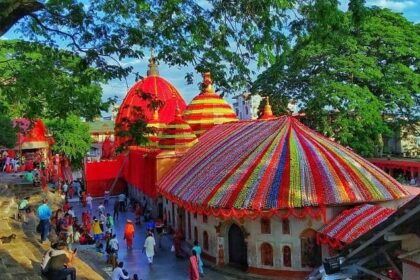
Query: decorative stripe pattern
[
  {"x": 206, "y": 110},
  {"x": 267, "y": 165},
  {"x": 177, "y": 135},
  {"x": 353, "y": 223},
  {"x": 160, "y": 89},
  {"x": 158, "y": 128}
]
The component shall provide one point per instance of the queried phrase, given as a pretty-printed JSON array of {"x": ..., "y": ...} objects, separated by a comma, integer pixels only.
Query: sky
[{"x": 409, "y": 8}]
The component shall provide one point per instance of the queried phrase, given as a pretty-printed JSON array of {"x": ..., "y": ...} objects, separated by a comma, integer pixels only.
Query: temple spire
[
  {"x": 207, "y": 83},
  {"x": 155, "y": 115},
  {"x": 153, "y": 66},
  {"x": 267, "y": 113}
]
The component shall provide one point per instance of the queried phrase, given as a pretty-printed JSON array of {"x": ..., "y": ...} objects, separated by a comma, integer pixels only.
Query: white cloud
[{"x": 393, "y": 5}]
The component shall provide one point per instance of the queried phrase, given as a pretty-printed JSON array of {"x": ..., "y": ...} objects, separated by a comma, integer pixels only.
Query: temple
[{"x": 265, "y": 195}]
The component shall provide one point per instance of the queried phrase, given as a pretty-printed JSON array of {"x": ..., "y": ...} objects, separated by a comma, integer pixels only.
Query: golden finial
[
  {"x": 267, "y": 113},
  {"x": 153, "y": 67},
  {"x": 156, "y": 115},
  {"x": 207, "y": 82}
]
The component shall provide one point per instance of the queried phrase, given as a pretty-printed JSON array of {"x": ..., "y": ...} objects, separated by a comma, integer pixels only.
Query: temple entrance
[
  {"x": 237, "y": 247},
  {"x": 310, "y": 251}
]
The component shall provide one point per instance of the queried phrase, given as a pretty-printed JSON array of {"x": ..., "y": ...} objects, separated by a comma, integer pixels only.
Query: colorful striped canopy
[
  {"x": 353, "y": 223},
  {"x": 267, "y": 165},
  {"x": 177, "y": 135},
  {"x": 208, "y": 109}
]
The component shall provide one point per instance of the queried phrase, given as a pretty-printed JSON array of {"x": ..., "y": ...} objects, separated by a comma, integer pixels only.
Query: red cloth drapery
[
  {"x": 103, "y": 170},
  {"x": 140, "y": 170}
]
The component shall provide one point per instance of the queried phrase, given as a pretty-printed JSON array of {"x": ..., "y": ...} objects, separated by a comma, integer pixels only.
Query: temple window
[
  {"x": 310, "y": 250},
  {"x": 285, "y": 226},
  {"x": 169, "y": 217},
  {"x": 287, "y": 256},
  {"x": 205, "y": 219},
  {"x": 195, "y": 234},
  {"x": 205, "y": 241},
  {"x": 265, "y": 226},
  {"x": 195, "y": 215},
  {"x": 266, "y": 254}
]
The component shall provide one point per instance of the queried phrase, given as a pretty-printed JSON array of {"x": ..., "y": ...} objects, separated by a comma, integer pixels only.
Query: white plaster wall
[{"x": 277, "y": 239}]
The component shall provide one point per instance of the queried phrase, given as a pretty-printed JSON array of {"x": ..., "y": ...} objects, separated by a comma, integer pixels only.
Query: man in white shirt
[
  {"x": 118, "y": 273},
  {"x": 89, "y": 200},
  {"x": 113, "y": 243},
  {"x": 101, "y": 208},
  {"x": 121, "y": 199},
  {"x": 149, "y": 246}
]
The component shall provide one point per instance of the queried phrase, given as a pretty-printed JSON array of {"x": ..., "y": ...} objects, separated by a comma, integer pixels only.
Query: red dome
[{"x": 160, "y": 89}]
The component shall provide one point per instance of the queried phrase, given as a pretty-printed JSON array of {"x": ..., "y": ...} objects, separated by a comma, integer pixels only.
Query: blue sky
[{"x": 409, "y": 8}]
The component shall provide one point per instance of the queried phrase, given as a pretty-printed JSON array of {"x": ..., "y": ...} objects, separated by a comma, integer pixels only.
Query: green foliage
[
  {"x": 39, "y": 81},
  {"x": 8, "y": 135},
  {"x": 355, "y": 74},
  {"x": 221, "y": 36},
  {"x": 71, "y": 137},
  {"x": 132, "y": 133}
]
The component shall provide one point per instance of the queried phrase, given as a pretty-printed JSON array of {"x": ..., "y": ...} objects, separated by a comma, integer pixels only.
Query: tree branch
[{"x": 13, "y": 11}]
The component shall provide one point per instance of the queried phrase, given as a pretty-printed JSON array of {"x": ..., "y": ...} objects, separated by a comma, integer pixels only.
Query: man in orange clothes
[{"x": 129, "y": 234}]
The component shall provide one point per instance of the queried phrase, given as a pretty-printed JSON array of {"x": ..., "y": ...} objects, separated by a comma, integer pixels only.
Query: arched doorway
[
  {"x": 310, "y": 251},
  {"x": 237, "y": 247}
]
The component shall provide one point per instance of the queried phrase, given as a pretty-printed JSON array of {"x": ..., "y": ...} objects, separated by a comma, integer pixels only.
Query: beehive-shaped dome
[
  {"x": 135, "y": 107},
  {"x": 208, "y": 109},
  {"x": 177, "y": 135},
  {"x": 158, "y": 128}
]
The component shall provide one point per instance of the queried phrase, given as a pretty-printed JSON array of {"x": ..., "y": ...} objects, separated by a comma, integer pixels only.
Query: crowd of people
[{"x": 96, "y": 227}]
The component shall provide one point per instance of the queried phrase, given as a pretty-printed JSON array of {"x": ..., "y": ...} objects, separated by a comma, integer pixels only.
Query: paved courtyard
[
  {"x": 166, "y": 265},
  {"x": 21, "y": 258}
]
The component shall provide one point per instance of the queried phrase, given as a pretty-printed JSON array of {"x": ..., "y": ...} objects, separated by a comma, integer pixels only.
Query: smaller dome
[
  {"x": 208, "y": 109},
  {"x": 158, "y": 127},
  {"x": 177, "y": 135},
  {"x": 267, "y": 113}
]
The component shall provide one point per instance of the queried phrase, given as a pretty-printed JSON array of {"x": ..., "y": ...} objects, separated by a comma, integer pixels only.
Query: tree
[
  {"x": 40, "y": 81},
  {"x": 354, "y": 74},
  {"x": 71, "y": 137},
  {"x": 8, "y": 135},
  {"x": 221, "y": 36}
]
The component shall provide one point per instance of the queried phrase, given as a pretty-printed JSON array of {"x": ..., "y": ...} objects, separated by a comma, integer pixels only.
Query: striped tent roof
[
  {"x": 353, "y": 223},
  {"x": 208, "y": 109},
  {"x": 267, "y": 165},
  {"x": 177, "y": 135}
]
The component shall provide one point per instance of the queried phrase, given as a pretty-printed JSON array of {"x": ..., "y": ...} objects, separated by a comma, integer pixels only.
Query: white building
[{"x": 246, "y": 106}]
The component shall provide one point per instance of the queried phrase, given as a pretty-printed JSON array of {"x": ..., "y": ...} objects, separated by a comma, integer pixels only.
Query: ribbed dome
[
  {"x": 268, "y": 165},
  {"x": 208, "y": 109},
  {"x": 160, "y": 89},
  {"x": 158, "y": 127},
  {"x": 177, "y": 135}
]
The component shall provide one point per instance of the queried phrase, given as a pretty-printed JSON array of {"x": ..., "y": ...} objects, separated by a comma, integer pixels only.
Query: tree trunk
[{"x": 11, "y": 11}]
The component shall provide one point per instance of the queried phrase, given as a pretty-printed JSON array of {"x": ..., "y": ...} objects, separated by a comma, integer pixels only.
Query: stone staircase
[{"x": 20, "y": 259}]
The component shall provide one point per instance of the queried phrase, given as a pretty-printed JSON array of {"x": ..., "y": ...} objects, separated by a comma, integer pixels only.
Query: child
[{"x": 109, "y": 222}]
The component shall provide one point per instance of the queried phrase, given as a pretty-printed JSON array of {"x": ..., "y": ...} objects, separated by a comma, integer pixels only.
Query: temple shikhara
[{"x": 270, "y": 195}]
